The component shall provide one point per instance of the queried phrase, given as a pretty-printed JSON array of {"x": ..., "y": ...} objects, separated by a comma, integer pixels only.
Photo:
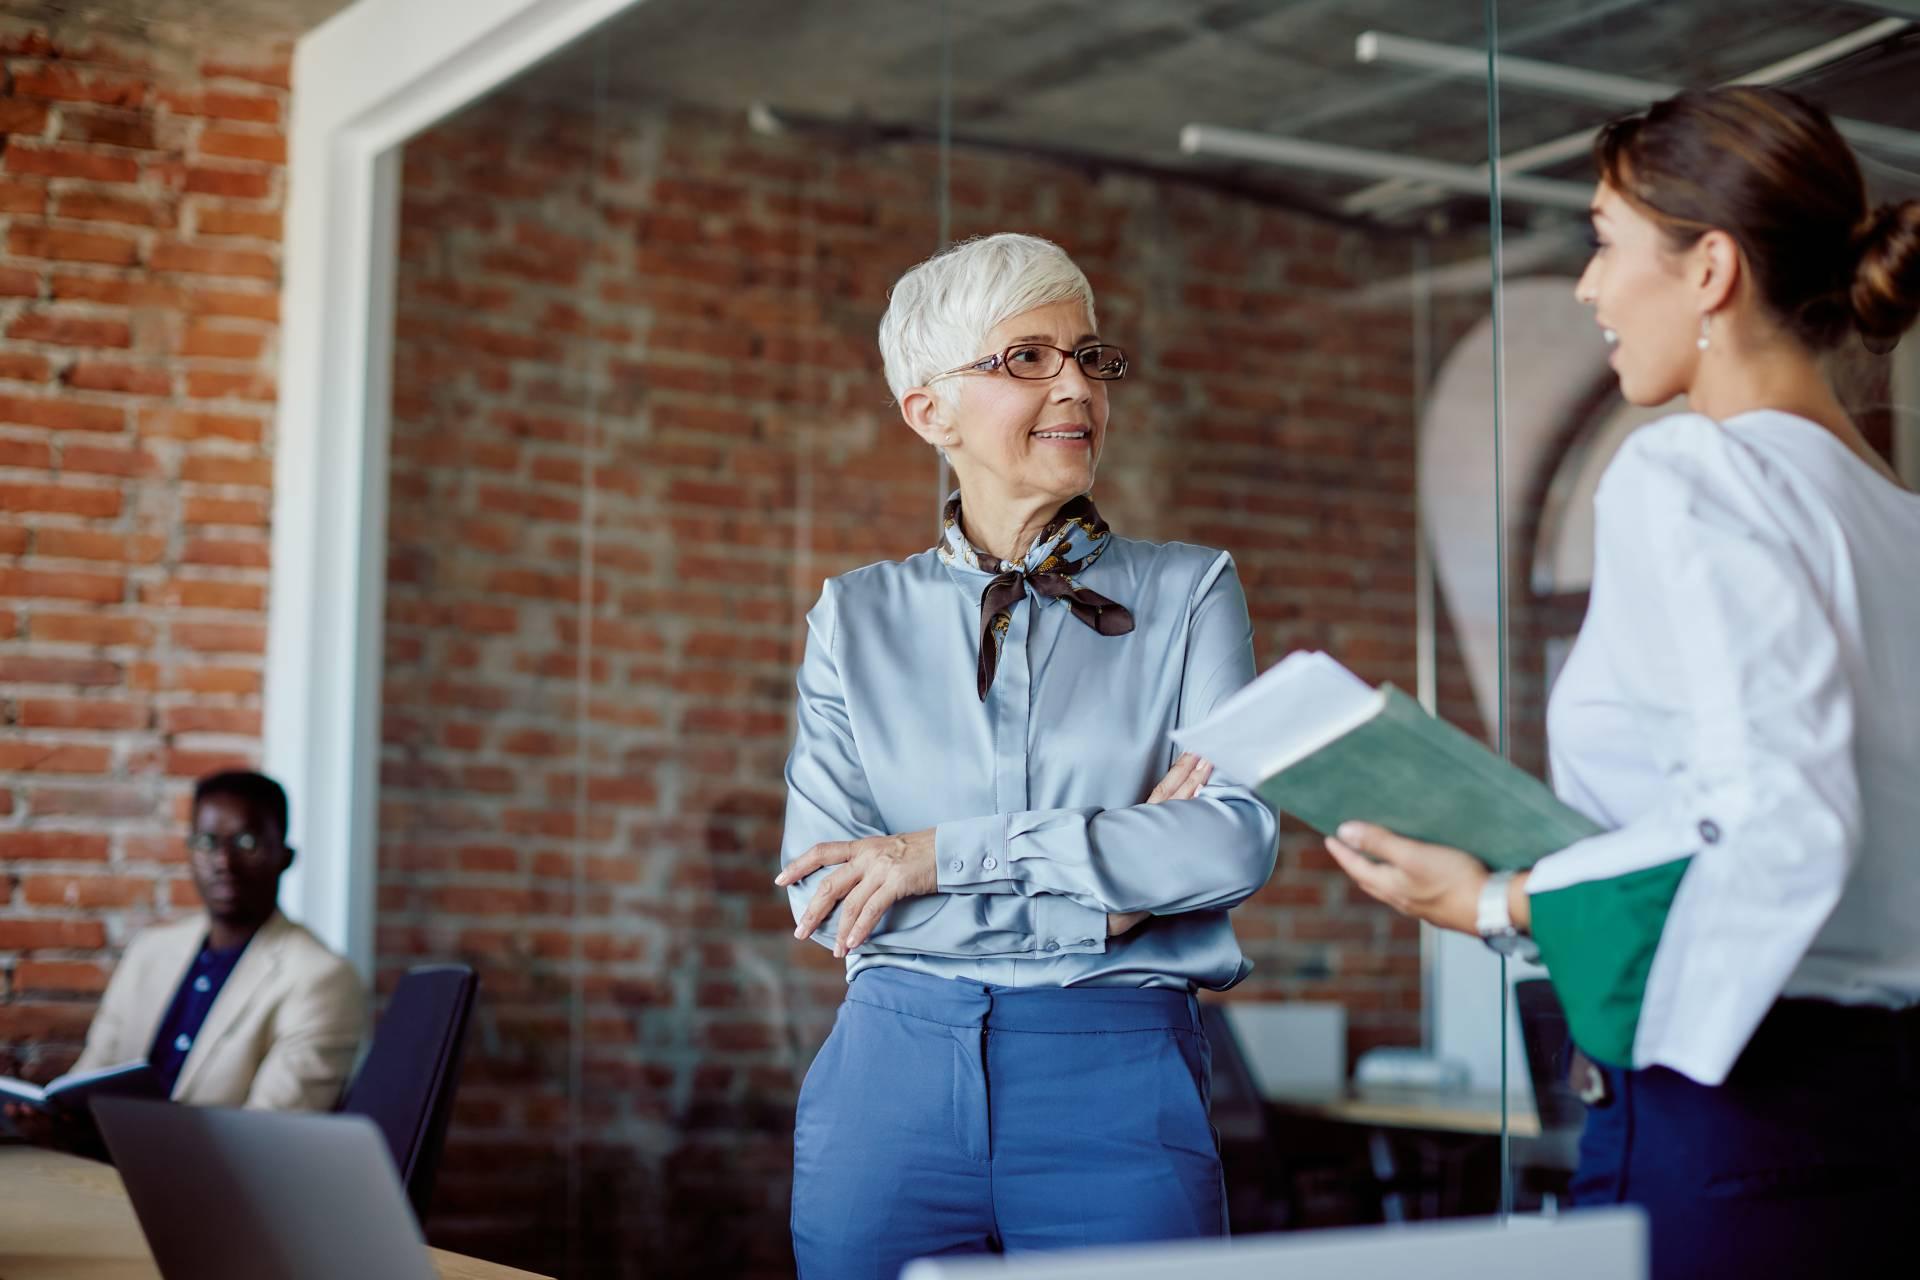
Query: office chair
[
  {"x": 1546, "y": 1163},
  {"x": 1259, "y": 1184},
  {"x": 406, "y": 1085},
  {"x": 1549, "y": 1049}
]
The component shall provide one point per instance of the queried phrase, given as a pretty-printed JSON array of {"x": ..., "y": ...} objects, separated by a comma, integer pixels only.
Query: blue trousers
[
  {"x": 1804, "y": 1163},
  {"x": 946, "y": 1117}
]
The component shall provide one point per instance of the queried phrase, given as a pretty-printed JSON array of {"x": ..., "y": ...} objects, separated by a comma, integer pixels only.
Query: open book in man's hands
[
  {"x": 1315, "y": 741},
  {"x": 74, "y": 1090}
]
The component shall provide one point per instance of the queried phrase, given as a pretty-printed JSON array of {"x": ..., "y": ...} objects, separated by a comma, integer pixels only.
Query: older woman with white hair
[{"x": 983, "y": 818}]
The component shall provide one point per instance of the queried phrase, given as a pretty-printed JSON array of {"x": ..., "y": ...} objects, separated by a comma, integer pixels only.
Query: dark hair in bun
[{"x": 1886, "y": 283}]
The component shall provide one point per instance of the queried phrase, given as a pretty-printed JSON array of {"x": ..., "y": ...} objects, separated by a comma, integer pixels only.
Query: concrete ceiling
[
  {"x": 1116, "y": 80},
  {"x": 246, "y": 19}
]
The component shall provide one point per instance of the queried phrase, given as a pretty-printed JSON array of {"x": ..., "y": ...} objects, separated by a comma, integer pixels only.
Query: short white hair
[{"x": 940, "y": 311}]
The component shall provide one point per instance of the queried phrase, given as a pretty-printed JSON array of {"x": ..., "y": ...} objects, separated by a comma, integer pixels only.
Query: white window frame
[{"x": 364, "y": 82}]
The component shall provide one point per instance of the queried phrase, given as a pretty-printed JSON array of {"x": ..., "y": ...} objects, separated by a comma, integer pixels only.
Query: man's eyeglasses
[
  {"x": 241, "y": 845},
  {"x": 1038, "y": 361}
]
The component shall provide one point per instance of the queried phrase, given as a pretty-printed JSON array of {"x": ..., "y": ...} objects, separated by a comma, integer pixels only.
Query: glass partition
[
  {"x": 1313, "y": 390},
  {"x": 495, "y": 413},
  {"x": 639, "y": 417}
]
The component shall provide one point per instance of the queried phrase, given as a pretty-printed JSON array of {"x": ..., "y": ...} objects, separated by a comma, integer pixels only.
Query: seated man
[{"x": 239, "y": 1006}]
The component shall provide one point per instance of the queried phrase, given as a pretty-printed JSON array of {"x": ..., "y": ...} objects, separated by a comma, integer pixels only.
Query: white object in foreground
[{"x": 1599, "y": 1244}]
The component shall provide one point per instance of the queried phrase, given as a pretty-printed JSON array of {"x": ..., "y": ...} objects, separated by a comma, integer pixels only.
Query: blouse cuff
[
  {"x": 1065, "y": 927},
  {"x": 971, "y": 856}
]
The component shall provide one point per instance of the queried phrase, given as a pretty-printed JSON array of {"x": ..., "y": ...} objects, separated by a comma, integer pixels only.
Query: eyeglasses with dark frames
[
  {"x": 1037, "y": 361},
  {"x": 242, "y": 846}
]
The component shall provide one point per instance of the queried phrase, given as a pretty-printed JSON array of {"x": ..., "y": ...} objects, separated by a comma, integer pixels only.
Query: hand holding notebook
[{"x": 1316, "y": 742}]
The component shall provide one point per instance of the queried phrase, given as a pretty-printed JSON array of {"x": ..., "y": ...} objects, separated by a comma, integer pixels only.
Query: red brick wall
[
  {"x": 140, "y": 204},
  {"x": 638, "y": 417}
]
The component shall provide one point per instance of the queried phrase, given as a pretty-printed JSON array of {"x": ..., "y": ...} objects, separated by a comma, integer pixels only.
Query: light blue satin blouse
[{"x": 1036, "y": 794}]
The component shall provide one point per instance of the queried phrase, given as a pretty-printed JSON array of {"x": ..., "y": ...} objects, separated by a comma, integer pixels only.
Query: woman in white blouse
[{"x": 1740, "y": 952}]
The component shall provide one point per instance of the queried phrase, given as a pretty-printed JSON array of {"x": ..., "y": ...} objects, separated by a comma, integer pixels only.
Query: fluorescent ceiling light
[
  {"x": 1465, "y": 63},
  {"x": 1321, "y": 157}
]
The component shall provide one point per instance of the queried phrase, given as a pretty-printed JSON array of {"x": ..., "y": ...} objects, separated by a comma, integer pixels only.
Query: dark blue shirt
[{"x": 188, "y": 1012}]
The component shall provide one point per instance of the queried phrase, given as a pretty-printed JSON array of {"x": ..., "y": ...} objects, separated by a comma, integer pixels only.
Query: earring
[
  {"x": 1704, "y": 342},
  {"x": 951, "y": 438}
]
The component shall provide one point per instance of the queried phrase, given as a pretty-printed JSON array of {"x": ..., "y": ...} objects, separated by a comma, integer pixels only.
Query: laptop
[
  {"x": 262, "y": 1195},
  {"x": 1598, "y": 1244}
]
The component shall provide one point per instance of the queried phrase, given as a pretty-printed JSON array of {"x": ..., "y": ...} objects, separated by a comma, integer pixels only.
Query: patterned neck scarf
[{"x": 1072, "y": 541}]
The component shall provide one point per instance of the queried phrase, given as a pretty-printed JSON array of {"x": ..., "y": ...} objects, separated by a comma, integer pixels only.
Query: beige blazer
[{"x": 282, "y": 1034}]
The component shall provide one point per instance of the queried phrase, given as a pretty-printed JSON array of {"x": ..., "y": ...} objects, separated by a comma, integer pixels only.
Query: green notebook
[{"x": 1326, "y": 748}]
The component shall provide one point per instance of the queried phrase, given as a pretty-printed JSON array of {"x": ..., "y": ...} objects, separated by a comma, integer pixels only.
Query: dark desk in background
[{"x": 1430, "y": 1152}]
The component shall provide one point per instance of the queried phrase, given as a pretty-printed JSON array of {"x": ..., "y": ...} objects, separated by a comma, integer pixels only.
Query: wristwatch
[{"x": 1495, "y": 924}]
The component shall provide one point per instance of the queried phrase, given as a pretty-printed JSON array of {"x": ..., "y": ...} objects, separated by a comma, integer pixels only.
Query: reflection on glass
[{"x": 1215, "y": 178}]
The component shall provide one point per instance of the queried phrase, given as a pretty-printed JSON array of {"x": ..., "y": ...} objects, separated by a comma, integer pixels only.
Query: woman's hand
[
  {"x": 1183, "y": 782},
  {"x": 1429, "y": 882},
  {"x": 879, "y": 871}
]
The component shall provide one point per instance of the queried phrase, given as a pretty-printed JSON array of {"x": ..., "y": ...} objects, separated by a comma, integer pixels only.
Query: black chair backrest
[
  {"x": 1549, "y": 1048},
  {"x": 407, "y": 1082}
]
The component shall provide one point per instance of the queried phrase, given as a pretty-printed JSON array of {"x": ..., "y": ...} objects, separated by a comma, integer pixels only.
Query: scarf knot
[{"x": 1072, "y": 541}]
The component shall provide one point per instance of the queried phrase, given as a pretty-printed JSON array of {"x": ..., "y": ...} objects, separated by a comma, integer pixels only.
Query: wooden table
[
  {"x": 1427, "y": 1110},
  {"x": 64, "y": 1218},
  {"x": 1422, "y": 1118}
]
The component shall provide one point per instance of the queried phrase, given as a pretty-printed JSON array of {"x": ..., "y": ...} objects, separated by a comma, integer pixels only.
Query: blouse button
[
  {"x": 989, "y": 863},
  {"x": 182, "y": 1042},
  {"x": 1710, "y": 831},
  {"x": 956, "y": 865},
  {"x": 201, "y": 984},
  {"x": 1053, "y": 946}
]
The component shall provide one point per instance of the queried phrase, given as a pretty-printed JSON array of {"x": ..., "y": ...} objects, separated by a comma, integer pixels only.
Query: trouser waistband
[{"x": 958, "y": 1002}]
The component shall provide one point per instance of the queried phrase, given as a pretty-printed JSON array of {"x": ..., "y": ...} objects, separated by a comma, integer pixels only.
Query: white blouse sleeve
[{"x": 1724, "y": 574}]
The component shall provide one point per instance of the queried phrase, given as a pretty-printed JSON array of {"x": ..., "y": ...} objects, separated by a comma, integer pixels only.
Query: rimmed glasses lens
[
  {"x": 1034, "y": 362},
  {"x": 1102, "y": 363}
]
